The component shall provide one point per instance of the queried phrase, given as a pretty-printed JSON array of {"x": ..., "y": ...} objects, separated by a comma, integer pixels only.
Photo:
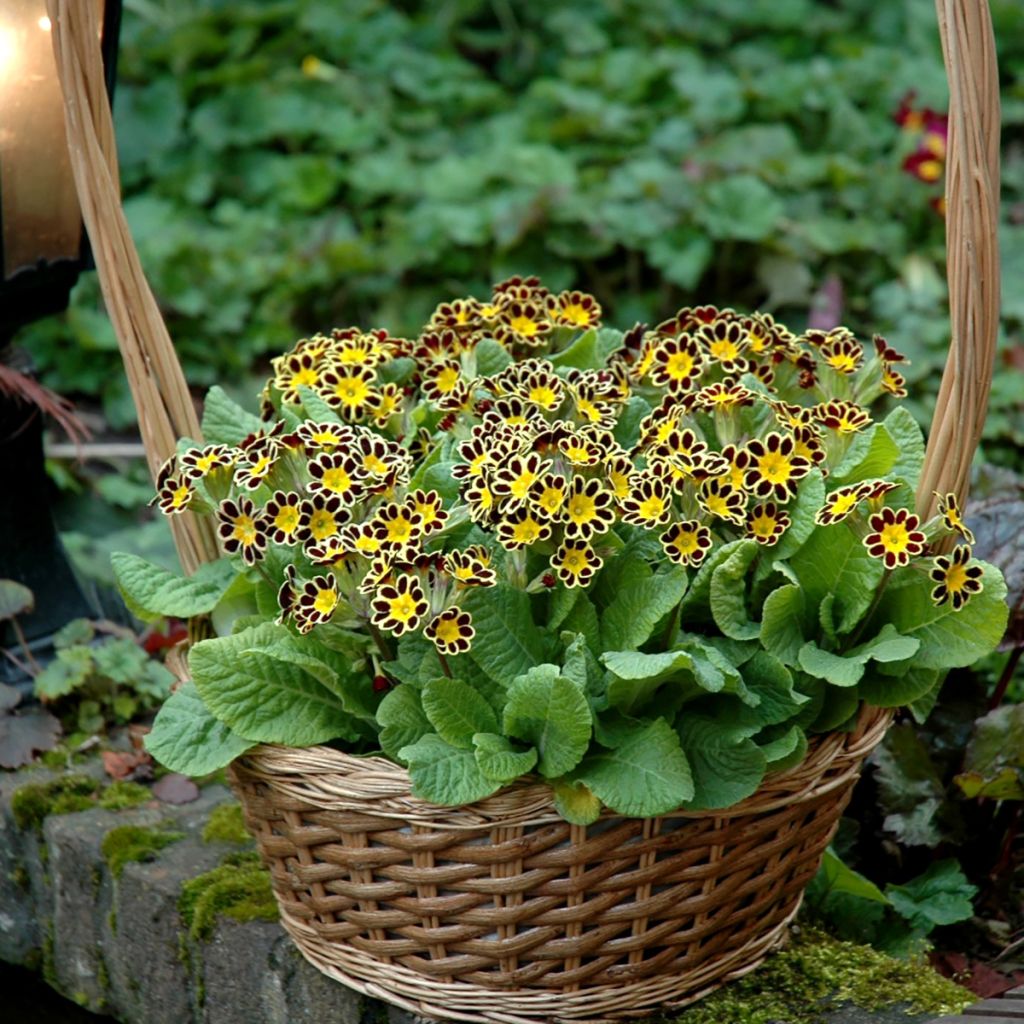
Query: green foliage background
[{"x": 291, "y": 166}]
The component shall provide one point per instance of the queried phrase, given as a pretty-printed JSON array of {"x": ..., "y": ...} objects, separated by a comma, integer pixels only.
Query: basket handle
[
  {"x": 972, "y": 248},
  {"x": 972, "y": 204}
]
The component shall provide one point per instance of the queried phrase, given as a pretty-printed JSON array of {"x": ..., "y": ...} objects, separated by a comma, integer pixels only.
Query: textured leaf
[
  {"x": 548, "y": 711},
  {"x": 457, "y": 712},
  {"x": 646, "y": 775},
  {"x": 630, "y": 618},
  {"x": 785, "y": 751},
  {"x": 727, "y": 767},
  {"x": 836, "y": 878},
  {"x": 499, "y": 760},
  {"x": 872, "y": 455},
  {"x": 26, "y": 733},
  {"x": 491, "y": 357},
  {"x": 696, "y": 604},
  {"x": 72, "y": 667},
  {"x": 949, "y": 639},
  {"x": 582, "y": 353},
  {"x": 904, "y": 430},
  {"x": 263, "y": 698},
  {"x": 445, "y": 774},
  {"x": 994, "y": 763},
  {"x": 15, "y": 599},
  {"x": 772, "y": 683},
  {"x": 894, "y": 691},
  {"x": 153, "y": 591},
  {"x": 729, "y": 593},
  {"x": 225, "y": 421},
  {"x": 639, "y": 676},
  {"x": 809, "y": 499},
  {"x": 783, "y": 623},
  {"x": 507, "y": 643},
  {"x": 186, "y": 737},
  {"x": 941, "y": 896},
  {"x": 401, "y": 718},
  {"x": 910, "y": 790}
]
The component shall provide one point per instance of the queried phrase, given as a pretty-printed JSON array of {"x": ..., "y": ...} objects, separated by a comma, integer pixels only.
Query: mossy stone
[
  {"x": 33, "y": 803},
  {"x": 240, "y": 890},
  {"x": 120, "y": 795},
  {"x": 226, "y": 825},
  {"x": 134, "y": 843}
]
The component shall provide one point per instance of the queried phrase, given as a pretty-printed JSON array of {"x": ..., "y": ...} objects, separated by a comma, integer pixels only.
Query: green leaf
[
  {"x": 15, "y": 599},
  {"x": 401, "y": 718},
  {"x": 264, "y": 698},
  {"x": 834, "y": 561},
  {"x": 507, "y": 643},
  {"x": 499, "y": 760},
  {"x": 784, "y": 623},
  {"x": 152, "y": 591},
  {"x": 225, "y": 421},
  {"x": 315, "y": 408},
  {"x": 940, "y": 896},
  {"x": 729, "y": 594},
  {"x": 72, "y": 667},
  {"x": 872, "y": 455},
  {"x": 995, "y": 755},
  {"x": 904, "y": 430},
  {"x": 835, "y": 877},
  {"x": 646, "y": 775},
  {"x": 727, "y": 766},
  {"x": 187, "y": 738},
  {"x": 582, "y": 620},
  {"x": 894, "y": 691},
  {"x": 740, "y": 206},
  {"x": 575, "y": 802},
  {"x": 581, "y": 354},
  {"x": 639, "y": 676},
  {"x": 949, "y": 639},
  {"x": 630, "y": 618},
  {"x": 834, "y": 668},
  {"x": 444, "y": 774},
  {"x": 457, "y": 712},
  {"x": 770, "y": 680},
  {"x": 491, "y": 357},
  {"x": 696, "y": 604},
  {"x": 785, "y": 751},
  {"x": 810, "y": 497},
  {"x": 548, "y": 711}
]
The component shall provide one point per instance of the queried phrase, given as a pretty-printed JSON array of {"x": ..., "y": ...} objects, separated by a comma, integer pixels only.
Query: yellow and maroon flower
[
  {"x": 332, "y": 552},
  {"x": 844, "y": 417},
  {"x": 242, "y": 530},
  {"x": 481, "y": 501},
  {"x": 359, "y": 349},
  {"x": 955, "y": 578},
  {"x": 315, "y": 603},
  {"x": 686, "y": 542},
  {"x": 718, "y": 498},
  {"x": 337, "y": 473},
  {"x": 677, "y": 363},
  {"x": 766, "y": 523},
  {"x": 197, "y": 463},
  {"x": 327, "y": 515},
  {"x": 390, "y": 402},
  {"x": 840, "y": 504},
  {"x": 350, "y": 390},
  {"x": 514, "y": 479},
  {"x": 590, "y": 406},
  {"x": 256, "y": 463},
  {"x": 575, "y": 563},
  {"x": 842, "y": 354},
  {"x": 543, "y": 389},
  {"x": 589, "y": 509},
  {"x": 649, "y": 502},
  {"x": 441, "y": 379},
  {"x": 523, "y": 527},
  {"x": 428, "y": 507},
  {"x": 299, "y": 369},
  {"x": 548, "y": 493},
  {"x": 582, "y": 448},
  {"x": 724, "y": 396},
  {"x": 397, "y": 527},
  {"x": 618, "y": 472},
  {"x": 895, "y": 537},
  {"x": 775, "y": 468},
  {"x": 477, "y": 454},
  {"x": 360, "y": 539},
  {"x": 522, "y": 323},
  {"x": 468, "y": 569},
  {"x": 725, "y": 342},
  {"x": 399, "y": 607},
  {"x": 287, "y": 518},
  {"x": 739, "y": 462},
  {"x": 324, "y": 436},
  {"x": 174, "y": 494},
  {"x": 452, "y": 631},
  {"x": 807, "y": 444},
  {"x": 952, "y": 518},
  {"x": 458, "y": 315},
  {"x": 575, "y": 309}
]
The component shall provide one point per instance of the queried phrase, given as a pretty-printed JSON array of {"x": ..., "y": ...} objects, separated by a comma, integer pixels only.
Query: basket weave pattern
[{"x": 441, "y": 909}]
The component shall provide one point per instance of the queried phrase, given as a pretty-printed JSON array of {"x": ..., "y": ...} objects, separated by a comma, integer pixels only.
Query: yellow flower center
[
  {"x": 685, "y": 543},
  {"x": 577, "y": 453},
  {"x": 758, "y": 342},
  {"x": 551, "y": 499},
  {"x": 427, "y": 511},
  {"x": 326, "y": 601},
  {"x": 620, "y": 483},
  {"x": 352, "y": 391},
  {"x": 448, "y": 631},
  {"x": 652, "y": 507},
  {"x": 307, "y": 377},
  {"x": 260, "y": 468},
  {"x": 956, "y": 577},
  {"x": 718, "y": 506},
  {"x": 245, "y": 530},
  {"x": 287, "y": 519},
  {"x": 544, "y": 396},
  {"x": 180, "y": 497},
  {"x": 527, "y": 531},
  {"x": 463, "y": 572},
  {"x": 367, "y": 544},
  {"x": 447, "y": 380},
  {"x": 206, "y": 462},
  {"x": 843, "y": 362},
  {"x": 737, "y": 477},
  {"x": 763, "y": 525},
  {"x": 374, "y": 464},
  {"x": 679, "y": 365},
  {"x": 574, "y": 313},
  {"x": 325, "y": 438},
  {"x": 894, "y": 537},
  {"x": 355, "y": 355},
  {"x": 337, "y": 480},
  {"x": 322, "y": 524},
  {"x": 524, "y": 326},
  {"x": 724, "y": 350},
  {"x": 403, "y": 608},
  {"x": 582, "y": 508},
  {"x": 842, "y": 503},
  {"x": 588, "y": 410},
  {"x": 775, "y": 467},
  {"x": 400, "y": 529},
  {"x": 930, "y": 170},
  {"x": 521, "y": 484}
]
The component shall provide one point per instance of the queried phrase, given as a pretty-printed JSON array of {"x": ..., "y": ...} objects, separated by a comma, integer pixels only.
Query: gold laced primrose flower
[
  {"x": 687, "y": 542},
  {"x": 649, "y": 502},
  {"x": 725, "y": 341},
  {"x": 952, "y": 519},
  {"x": 523, "y": 527},
  {"x": 719, "y": 499},
  {"x": 315, "y": 603},
  {"x": 575, "y": 309},
  {"x": 775, "y": 468},
  {"x": 201, "y": 462},
  {"x": 399, "y": 607},
  {"x": 242, "y": 530},
  {"x": 575, "y": 563},
  {"x": 840, "y": 504},
  {"x": 895, "y": 537},
  {"x": 588, "y": 510},
  {"x": 256, "y": 463},
  {"x": 843, "y": 417},
  {"x": 955, "y": 578},
  {"x": 287, "y": 518},
  {"x": 470, "y": 568},
  {"x": 335, "y": 473},
  {"x": 766, "y": 523},
  {"x": 325, "y": 436},
  {"x": 676, "y": 363},
  {"x": 451, "y": 632},
  {"x": 175, "y": 494}
]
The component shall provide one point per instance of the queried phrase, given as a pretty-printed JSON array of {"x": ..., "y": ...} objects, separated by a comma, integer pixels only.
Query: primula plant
[{"x": 647, "y": 567}]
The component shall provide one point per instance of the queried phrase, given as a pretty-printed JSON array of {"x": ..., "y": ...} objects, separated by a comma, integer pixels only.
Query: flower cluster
[
  {"x": 930, "y": 131},
  {"x": 514, "y": 442}
]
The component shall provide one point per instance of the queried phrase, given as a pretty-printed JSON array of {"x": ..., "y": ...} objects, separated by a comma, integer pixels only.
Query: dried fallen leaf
[
  {"x": 24, "y": 735},
  {"x": 129, "y": 765},
  {"x": 176, "y": 789}
]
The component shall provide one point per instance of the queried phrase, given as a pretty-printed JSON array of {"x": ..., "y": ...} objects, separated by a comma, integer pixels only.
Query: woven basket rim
[{"x": 353, "y": 780}]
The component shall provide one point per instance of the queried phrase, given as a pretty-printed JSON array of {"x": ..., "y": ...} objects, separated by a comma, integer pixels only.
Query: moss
[
  {"x": 103, "y": 976},
  {"x": 49, "y": 969},
  {"x": 112, "y": 921},
  {"x": 817, "y": 971},
  {"x": 226, "y": 825},
  {"x": 239, "y": 890},
  {"x": 21, "y": 878},
  {"x": 129, "y": 843},
  {"x": 119, "y": 795},
  {"x": 32, "y": 804},
  {"x": 82, "y": 998}
]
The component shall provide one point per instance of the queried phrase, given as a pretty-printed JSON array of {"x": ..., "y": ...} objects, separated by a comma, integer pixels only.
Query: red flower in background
[{"x": 928, "y": 161}]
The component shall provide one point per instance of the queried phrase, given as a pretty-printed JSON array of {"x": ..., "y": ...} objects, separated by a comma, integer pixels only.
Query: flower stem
[
  {"x": 444, "y": 665},
  {"x": 871, "y": 610}
]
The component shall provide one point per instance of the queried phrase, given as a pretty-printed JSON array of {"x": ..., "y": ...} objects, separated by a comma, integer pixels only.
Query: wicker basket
[{"x": 500, "y": 911}]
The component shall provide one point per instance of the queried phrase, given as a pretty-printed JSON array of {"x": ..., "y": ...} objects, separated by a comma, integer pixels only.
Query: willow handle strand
[
  {"x": 157, "y": 384},
  {"x": 972, "y": 248}
]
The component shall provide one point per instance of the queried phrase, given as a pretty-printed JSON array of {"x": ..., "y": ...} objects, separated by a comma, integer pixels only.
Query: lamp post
[{"x": 43, "y": 249}]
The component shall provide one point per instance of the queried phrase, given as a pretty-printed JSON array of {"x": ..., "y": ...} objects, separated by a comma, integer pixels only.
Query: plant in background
[{"x": 646, "y": 567}]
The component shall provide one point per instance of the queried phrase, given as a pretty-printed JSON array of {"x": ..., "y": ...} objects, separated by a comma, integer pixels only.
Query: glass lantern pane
[{"x": 38, "y": 205}]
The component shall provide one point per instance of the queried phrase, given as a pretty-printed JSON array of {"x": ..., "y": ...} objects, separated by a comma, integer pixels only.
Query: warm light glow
[
  {"x": 7, "y": 51},
  {"x": 44, "y": 23}
]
